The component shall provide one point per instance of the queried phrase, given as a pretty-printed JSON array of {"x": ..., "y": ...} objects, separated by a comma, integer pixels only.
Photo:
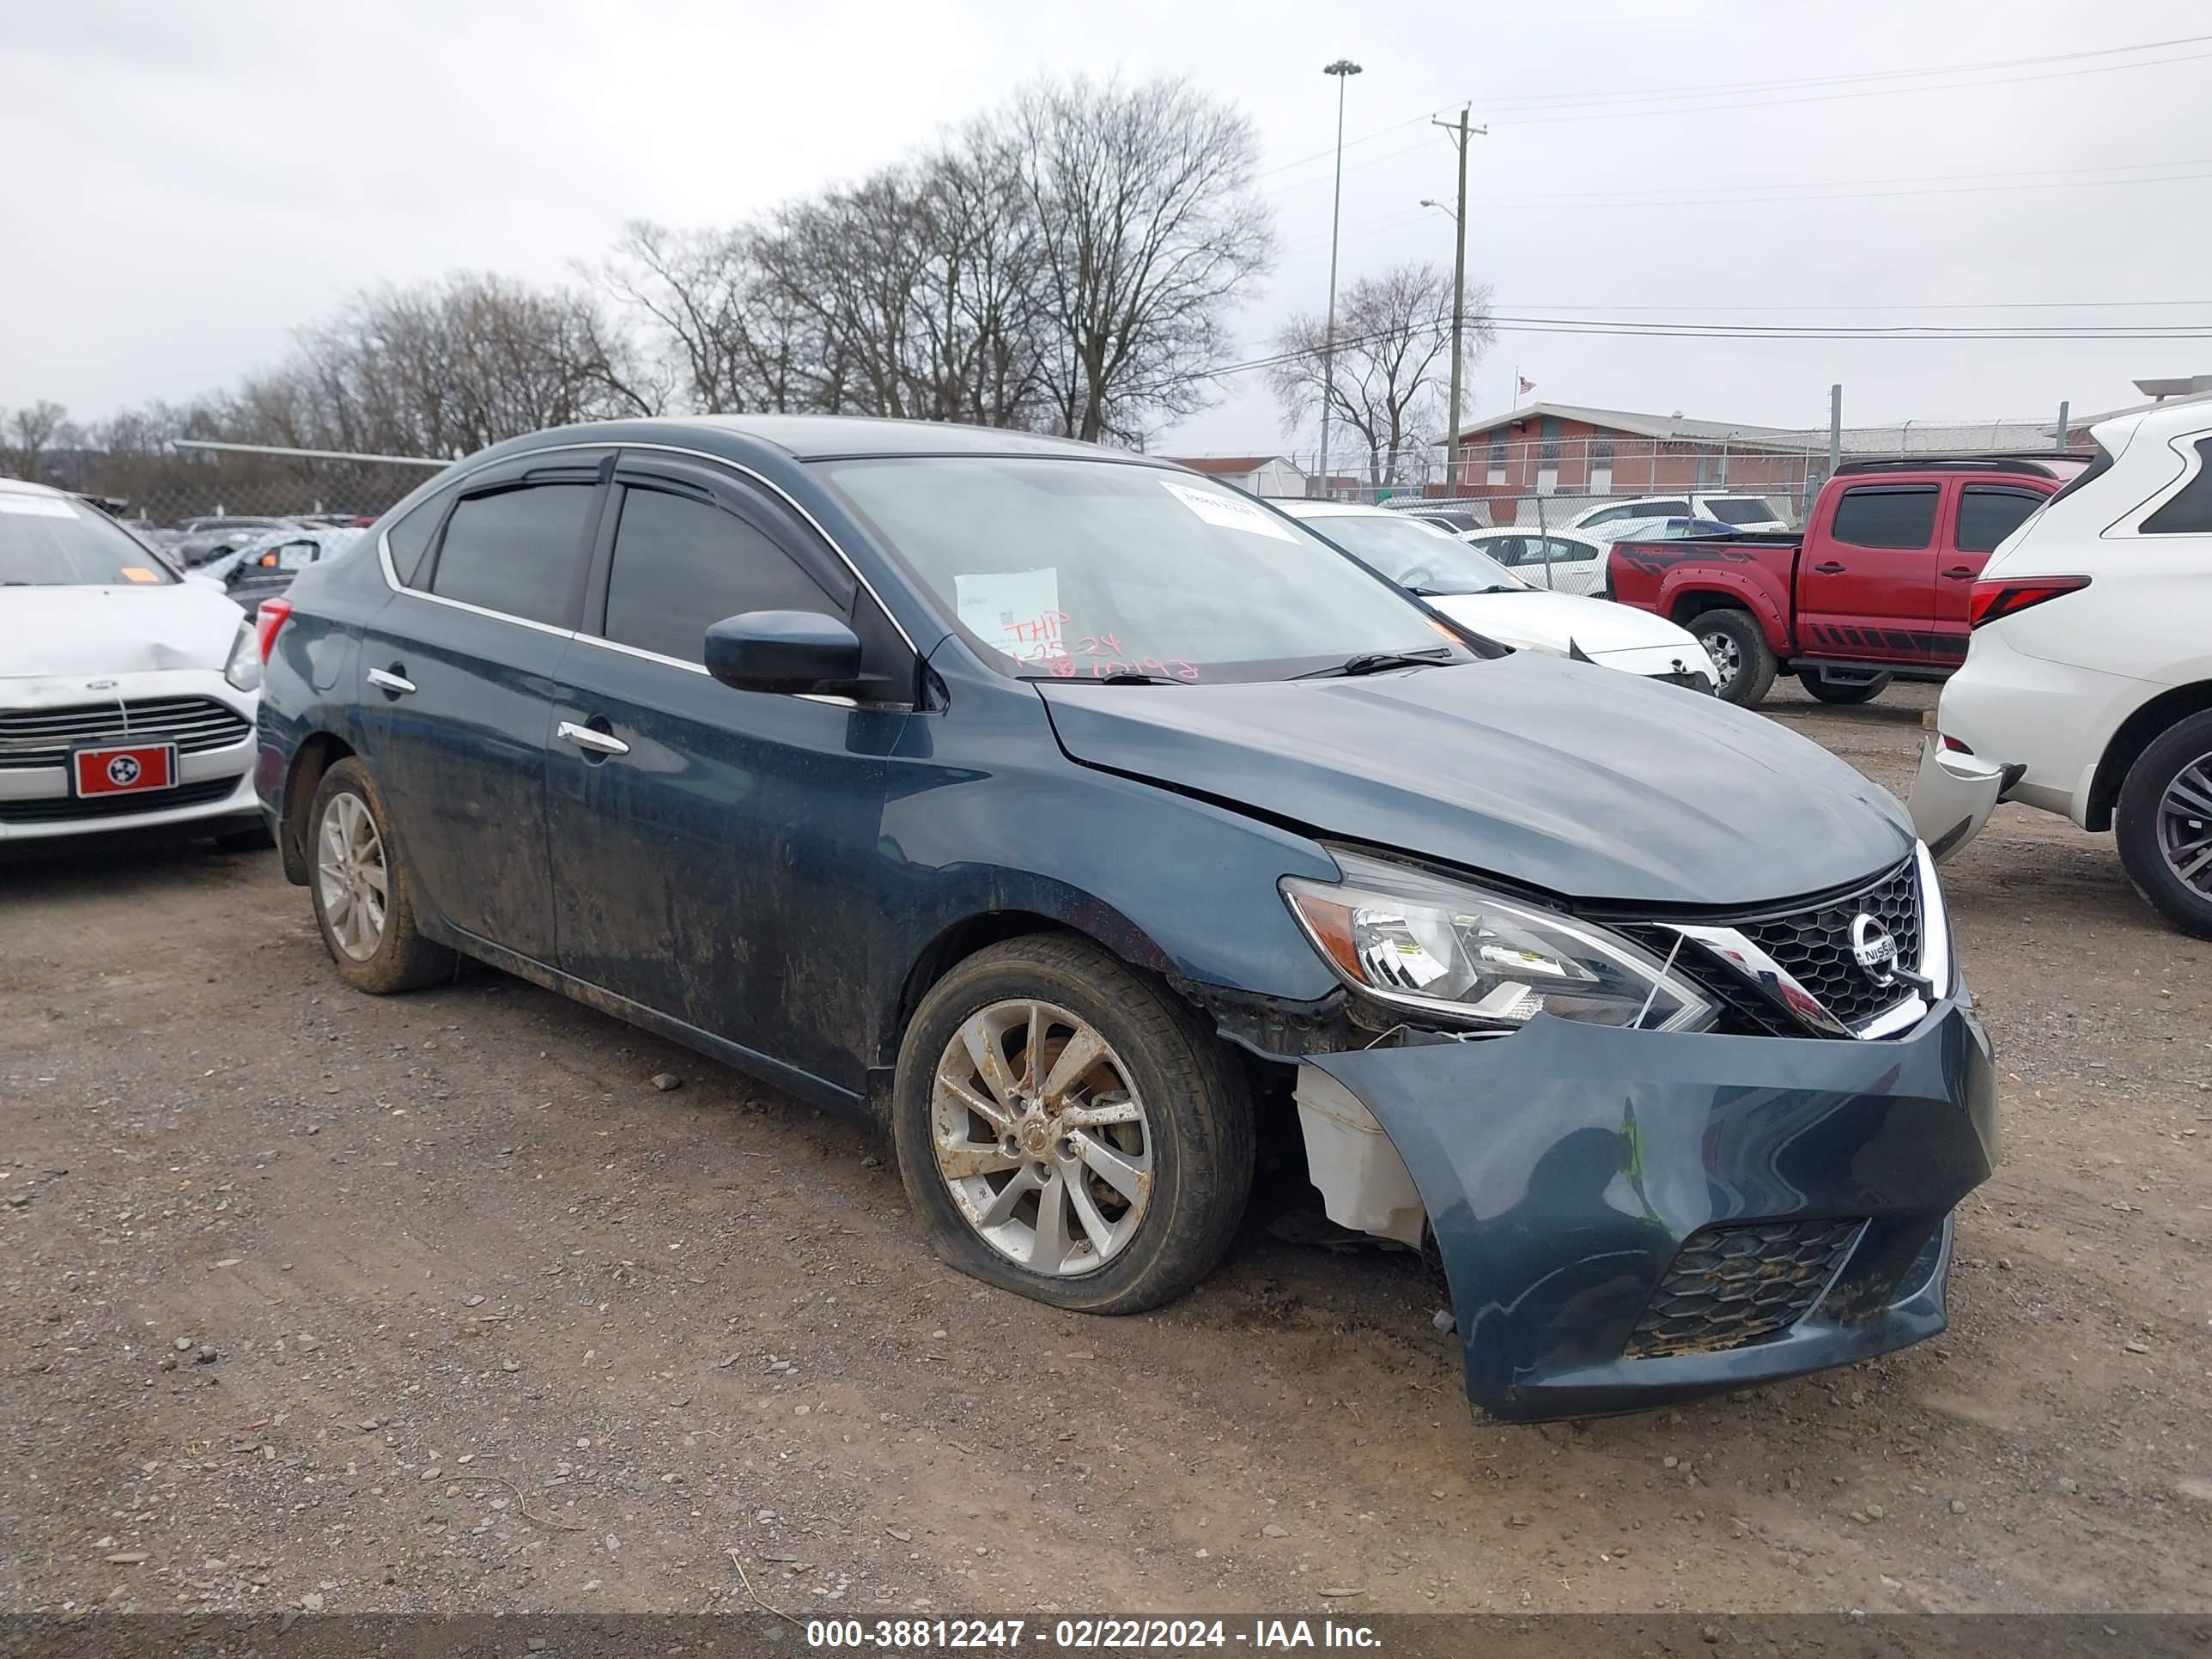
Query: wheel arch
[
  {"x": 315, "y": 757},
  {"x": 2137, "y": 734}
]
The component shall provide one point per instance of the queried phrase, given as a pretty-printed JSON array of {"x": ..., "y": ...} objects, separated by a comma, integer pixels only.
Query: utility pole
[
  {"x": 1835, "y": 428},
  {"x": 1460, "y": 131},
  {"x": 2064, "y": 406},
  {"x": 1343, "y": 69}
]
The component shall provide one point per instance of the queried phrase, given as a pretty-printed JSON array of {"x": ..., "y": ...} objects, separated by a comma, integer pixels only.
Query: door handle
[
  {"x": 1829, "y": 567},
  {"x": 391, "y": 679},
  {"x": 599, "y": 743},
  {"x": 1960, "y": 572}
]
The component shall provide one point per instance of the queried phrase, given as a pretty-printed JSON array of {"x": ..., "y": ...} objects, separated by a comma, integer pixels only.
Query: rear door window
[
  {"x": 1563, "y": 552},
  {"x": 1990, "y": 513},
  {"x": 2190, "y": 512},
  {"x": 519, "y": 551},
  {"x": 1887, "y": 515},
  {"x": 409, "y": 539},
  {"x": 681, "y": 563}
]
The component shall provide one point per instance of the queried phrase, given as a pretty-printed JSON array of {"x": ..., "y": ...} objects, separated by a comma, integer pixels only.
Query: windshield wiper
[
  {"x": 1118, "y": 677},
  {"x": 1376, "y": 662}
]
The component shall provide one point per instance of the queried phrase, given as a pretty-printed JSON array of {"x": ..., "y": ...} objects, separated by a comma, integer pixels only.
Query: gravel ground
[{"x": 435, "y": 1302}]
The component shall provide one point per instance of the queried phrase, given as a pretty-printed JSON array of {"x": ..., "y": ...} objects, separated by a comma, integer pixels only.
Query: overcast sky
[{"x": 190, "y": 181}]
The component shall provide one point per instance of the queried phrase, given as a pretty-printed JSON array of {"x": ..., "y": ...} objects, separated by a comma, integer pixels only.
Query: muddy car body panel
[
  {"x": 778, "y": 879},
  {"x": 1569, "y": 1173}
]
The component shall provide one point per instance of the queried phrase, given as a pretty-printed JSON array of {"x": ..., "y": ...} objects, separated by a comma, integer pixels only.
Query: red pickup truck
[{"x": 1876, "y": 589}]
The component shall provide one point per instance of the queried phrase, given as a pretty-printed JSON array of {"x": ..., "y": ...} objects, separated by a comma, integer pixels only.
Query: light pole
[
  {"x": 1460, "y": 133},
  {"x": 1343, "y": 69}
]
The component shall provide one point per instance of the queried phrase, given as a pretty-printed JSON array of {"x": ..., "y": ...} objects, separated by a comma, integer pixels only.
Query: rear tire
[
  {"x": 1737, "y": 645},
  {"x": 1819, "y": 682},
  {"x": 1162, "y": 1110},
  {"x": 2163, "y": 823},
  {"x": 363, "y": 898}
]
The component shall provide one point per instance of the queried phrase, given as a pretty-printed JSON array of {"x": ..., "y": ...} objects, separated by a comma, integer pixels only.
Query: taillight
[
  {"x": 1993, "y": 601},
  {"x": 272, "y": 615}
]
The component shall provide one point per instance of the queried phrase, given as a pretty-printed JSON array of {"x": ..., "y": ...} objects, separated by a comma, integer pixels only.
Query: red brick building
[{"x": 1548, "y": 449}]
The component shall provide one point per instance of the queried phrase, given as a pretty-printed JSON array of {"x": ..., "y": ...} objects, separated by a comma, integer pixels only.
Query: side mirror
[{"x": 788, "y": 651}]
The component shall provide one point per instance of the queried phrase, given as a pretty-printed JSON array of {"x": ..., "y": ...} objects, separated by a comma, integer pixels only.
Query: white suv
[{"x": 2087, "y": 688}]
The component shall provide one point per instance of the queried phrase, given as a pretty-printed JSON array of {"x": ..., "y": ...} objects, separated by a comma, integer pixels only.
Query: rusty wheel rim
[{"x": 1041, "y": 1137}]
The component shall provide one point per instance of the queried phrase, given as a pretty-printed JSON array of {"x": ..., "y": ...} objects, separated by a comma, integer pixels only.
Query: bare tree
[
  {"x": 733, "y": 339},
  {"x": 1393, "y": 353},
  {"x": 1149, "y": 230},
  {"x": 29, "y": 432}
]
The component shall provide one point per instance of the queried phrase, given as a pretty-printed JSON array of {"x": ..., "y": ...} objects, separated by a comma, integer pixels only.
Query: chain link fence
[
  {"x": 167, "y": 491},
  {"x": 1546, "y": 483}
]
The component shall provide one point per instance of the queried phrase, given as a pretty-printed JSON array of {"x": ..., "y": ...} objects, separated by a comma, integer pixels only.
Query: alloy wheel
[
  {"x": 2185, "y": 825},
  {"x": 1727, "y": 655},
  {"x": 352, "y": 879},
  {"x": 1041, "y": 1137}
]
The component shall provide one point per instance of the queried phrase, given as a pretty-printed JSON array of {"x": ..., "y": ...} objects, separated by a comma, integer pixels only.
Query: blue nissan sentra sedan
[{"x": 1060, "y": 810}]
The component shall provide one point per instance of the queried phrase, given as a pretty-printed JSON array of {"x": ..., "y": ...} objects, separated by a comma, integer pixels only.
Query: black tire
[
  {"x": 254, "y": 838},
  {"x": 2151, "y": 834},
  {"x": 403, "y": 959},
  {"x": 1828, "y": 689},
  {"x": 1198, "y": 1108},
  {"x": 1738, "y": 648}
]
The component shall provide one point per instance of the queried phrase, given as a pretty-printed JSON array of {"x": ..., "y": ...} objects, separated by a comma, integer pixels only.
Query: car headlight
[
  {"x": 1422, "y": 942},
  {"x": 244, "y": 668}
]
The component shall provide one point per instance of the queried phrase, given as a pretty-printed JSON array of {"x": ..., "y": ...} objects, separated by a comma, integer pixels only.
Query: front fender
[{"x": 1179, "y": 886}]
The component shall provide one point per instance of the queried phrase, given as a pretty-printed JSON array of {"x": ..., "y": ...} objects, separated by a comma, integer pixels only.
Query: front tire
[
  {"x": 2163, "y": 823},
  {"x": 361, "y": 891},
  {"x": 1737, "y": 645},
  {"x": 1824, "y": 685},
  {"x": 1067, "y": 1130}
]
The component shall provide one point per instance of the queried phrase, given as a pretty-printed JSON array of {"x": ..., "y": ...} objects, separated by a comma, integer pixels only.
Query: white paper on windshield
[
  {"x": 1228, "y": 512},
  {"x": 1018, "y": 611},
  {"x": 35, "y": 507}
]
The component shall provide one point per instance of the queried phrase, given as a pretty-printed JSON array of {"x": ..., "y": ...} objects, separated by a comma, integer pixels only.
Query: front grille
[
  {"x": 1814, "y": 947},
  {"x": 1733, "y": 1286},
  {"x": 69, "y": 810},
  {"x": 44, "y": 736}
]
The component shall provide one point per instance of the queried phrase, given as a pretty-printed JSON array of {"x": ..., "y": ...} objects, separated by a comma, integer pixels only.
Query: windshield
[
  {"x": 1420, "y": 561},
  {"x": 1742, "y": 509},
  {"x": 1068, "y": 569},
  {"x": 47, "y": 541}
]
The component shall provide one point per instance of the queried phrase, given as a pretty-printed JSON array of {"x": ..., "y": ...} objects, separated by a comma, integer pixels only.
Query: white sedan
[
  {"x": 1560, "y": 561},
  {"x": 127, "y": 694},
  {"x": 1472, "y": 588}
]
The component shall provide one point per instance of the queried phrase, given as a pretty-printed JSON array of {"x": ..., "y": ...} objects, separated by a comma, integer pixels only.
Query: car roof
[
  {"x": 817, "y": 437},
  {"x": 25, "y": 487}
]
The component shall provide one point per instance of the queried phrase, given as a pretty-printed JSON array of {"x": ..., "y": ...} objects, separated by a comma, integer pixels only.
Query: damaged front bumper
[
  {"x": 1953, "y": 794},
  {"x": 1630, "y": 1218}
]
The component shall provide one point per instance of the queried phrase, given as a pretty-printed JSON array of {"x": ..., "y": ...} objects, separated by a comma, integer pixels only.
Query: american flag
[{"x": 1527, "y": 385}]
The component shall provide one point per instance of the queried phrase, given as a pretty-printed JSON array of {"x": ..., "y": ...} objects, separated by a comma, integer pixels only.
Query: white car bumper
[
  {"x": 1681, "y": 664},
  {"x": 2047, "y": 722},
  {"x": 211, "y": 722}
]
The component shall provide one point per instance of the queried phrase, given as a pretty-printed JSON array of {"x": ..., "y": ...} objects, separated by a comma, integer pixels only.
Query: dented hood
[
  {"x": 1565, "y": 777},
  {"x": 48, "y": 632}
]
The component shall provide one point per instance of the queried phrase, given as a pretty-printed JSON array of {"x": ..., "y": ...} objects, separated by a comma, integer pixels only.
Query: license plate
[{"x": 124, "y": 769}]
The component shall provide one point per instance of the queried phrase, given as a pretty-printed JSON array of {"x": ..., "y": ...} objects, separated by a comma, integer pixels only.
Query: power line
[
  {"x": 1837, "y": 190},
  {"x": 1726, "y": 330},
  {"x": 1512, "y": 106}
]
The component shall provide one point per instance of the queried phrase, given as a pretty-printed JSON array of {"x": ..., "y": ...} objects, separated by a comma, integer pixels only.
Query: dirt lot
[{"x": 436, "y": 1303}]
